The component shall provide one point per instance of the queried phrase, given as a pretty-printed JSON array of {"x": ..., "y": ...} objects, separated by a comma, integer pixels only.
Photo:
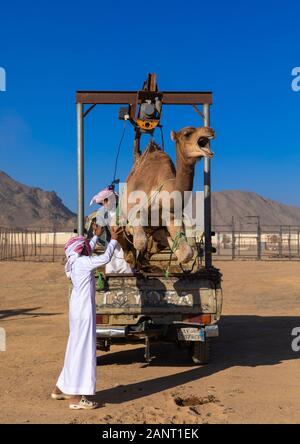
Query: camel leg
[
  {"x": 183, "y": 251},
  {"x": 130, "y": 258}
]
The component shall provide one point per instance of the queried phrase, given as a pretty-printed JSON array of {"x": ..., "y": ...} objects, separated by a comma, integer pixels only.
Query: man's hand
[
  {"x": 98, "y": 230},
  {"x": 115, "y": 232}
]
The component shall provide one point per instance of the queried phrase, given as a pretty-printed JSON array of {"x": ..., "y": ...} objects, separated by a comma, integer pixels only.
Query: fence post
[
  {"x": 233, "y": 238},
  {"x": 218, "y": 243},
  {"x": 23, "y": 246},
  {"x": 10, "y": 244},
  {"x": 280, "y": 241},
  {"x": 289, "y": 243},
  {"x": 5, "y": 244},
  {"x": 14, "y": 244},
  {"x": 20, "y": 240},
  {"x": 258, "y": 239},
  {"x": 53, "y": 249},
  {"x": 1, "y": 243}
]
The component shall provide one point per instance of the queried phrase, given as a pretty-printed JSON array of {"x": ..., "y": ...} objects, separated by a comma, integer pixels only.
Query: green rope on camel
[
  {"x": 149, "y": 199},
  {"x": 179, "y": 235}
]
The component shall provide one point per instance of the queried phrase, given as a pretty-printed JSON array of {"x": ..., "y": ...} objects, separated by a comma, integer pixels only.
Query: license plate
[{"x": 189, "y": 334}]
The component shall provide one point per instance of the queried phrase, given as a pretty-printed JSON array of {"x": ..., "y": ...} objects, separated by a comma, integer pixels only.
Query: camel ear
[{"x": 173, "y": 136}]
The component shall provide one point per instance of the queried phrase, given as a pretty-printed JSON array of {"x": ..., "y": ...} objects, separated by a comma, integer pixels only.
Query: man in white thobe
[{"x": 78, "y": 376}]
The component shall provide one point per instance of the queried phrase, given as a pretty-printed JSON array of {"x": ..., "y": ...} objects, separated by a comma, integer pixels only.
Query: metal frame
[{"x": 131, "y": 99}]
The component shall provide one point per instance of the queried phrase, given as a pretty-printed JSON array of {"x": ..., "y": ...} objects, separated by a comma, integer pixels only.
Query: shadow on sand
[
  {"x": 249, "y": 341},
  {"x": 4, "y": 314}
]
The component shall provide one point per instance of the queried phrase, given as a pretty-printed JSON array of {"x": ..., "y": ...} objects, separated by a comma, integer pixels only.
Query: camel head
[{"x": 193, "y": 143}]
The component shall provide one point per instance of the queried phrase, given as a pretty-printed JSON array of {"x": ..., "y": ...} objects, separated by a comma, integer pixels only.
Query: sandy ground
[{"x": 253, "y": 376}]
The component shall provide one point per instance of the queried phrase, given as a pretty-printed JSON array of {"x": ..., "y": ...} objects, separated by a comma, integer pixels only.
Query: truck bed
[{"x": 128, "y": 297}]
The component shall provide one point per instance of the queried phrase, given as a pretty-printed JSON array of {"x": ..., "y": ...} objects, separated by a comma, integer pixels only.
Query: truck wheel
[{"x": 200, "y": 352}]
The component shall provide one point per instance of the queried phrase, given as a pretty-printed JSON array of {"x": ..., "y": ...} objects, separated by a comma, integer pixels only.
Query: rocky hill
[
  {"x": 24, "y": 206},
  {"x": 239, "y": 204}
]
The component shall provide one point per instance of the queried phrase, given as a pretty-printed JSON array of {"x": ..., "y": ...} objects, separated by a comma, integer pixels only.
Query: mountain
[
  {"x": 24, "y": 206},
  {"x": 239, "y": 204}
]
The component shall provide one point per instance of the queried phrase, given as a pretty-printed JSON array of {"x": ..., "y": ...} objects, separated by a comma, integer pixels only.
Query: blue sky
[{"x": 243, "y": 51}]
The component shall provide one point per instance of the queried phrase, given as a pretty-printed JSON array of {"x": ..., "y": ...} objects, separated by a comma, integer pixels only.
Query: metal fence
[
  {"x": 33, "y": 245},
  {"x": 262, "y": 242}
]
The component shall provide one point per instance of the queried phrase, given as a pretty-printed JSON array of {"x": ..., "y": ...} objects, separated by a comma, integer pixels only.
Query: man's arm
[
  {"x": 102, "y": 259},
  {"x": 93, "y": 242},
  {"x": 97, "y": 232},
  {"x": 97, "y": 261}
]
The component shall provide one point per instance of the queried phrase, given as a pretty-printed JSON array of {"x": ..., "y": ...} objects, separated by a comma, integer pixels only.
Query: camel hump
[
  {"x": 153, "y": 156},
  {"x": 152, "y": 146}
]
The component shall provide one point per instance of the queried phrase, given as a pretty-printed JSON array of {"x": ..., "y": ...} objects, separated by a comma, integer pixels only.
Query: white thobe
[
  {"x": 118, "y": 263},
  {"x": 78, "y": 376}
]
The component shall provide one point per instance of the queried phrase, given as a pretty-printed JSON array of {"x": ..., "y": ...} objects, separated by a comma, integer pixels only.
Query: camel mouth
[
  {"x": 203, "y": 141},
  {"x": 201, "y": 152},
  {"x": 203, "y": 145},
  {"x": 207, "y": 153}
]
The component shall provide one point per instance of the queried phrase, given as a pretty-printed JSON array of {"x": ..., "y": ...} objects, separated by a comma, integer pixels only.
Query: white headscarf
[{"x": 107, "y": 193}]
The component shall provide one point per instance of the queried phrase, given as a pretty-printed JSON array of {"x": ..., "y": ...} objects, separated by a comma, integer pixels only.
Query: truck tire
[{"x": 200, "y": 352}]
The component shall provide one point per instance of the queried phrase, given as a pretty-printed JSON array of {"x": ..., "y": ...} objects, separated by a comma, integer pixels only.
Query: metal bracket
[
  {"x": 198, "y": 112},
  {"x": 89, "y": 110}
]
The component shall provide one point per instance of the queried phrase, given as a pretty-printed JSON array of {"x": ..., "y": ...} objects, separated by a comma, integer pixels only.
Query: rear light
[
  {"x": 101, "y": 319},
  {"x": 198, "y": 319}
]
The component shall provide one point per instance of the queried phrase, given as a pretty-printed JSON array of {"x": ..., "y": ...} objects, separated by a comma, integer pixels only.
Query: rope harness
[
  {"x": 179, "y": 235},
  {"x": 148, "y": 202}
]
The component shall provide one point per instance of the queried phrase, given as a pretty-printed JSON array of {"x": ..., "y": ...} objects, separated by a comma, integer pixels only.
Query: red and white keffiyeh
[{"x": 73, "y": 250}]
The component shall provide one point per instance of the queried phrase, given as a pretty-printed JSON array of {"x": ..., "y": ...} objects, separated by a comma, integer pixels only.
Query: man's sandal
[
  {"x": 61, "y": 396},
  {"x": 84, "y": 404}
]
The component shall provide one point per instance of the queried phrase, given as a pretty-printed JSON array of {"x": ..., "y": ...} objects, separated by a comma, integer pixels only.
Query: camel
[{"x": 154, "y": 172}]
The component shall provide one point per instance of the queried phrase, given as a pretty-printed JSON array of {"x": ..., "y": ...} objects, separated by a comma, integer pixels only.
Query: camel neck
[{"x": 184, "y": 175}]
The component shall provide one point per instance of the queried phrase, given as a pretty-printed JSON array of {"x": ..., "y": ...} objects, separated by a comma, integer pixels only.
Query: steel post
[
  {"x": 207, "y": 197},
  {"x": 80, "y": 170},
  {"x": 280, "y": 241},
  {"x": 289, "y": 243},
  {"x": 233, "y": 239},
  {"x": 258, "y": 239}
]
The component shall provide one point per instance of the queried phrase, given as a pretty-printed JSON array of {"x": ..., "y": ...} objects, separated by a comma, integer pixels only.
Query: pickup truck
[{"x": 183, "y": 308}]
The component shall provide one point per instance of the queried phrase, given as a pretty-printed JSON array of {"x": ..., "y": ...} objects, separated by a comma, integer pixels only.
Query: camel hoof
[{"x": 184, "y": 254}]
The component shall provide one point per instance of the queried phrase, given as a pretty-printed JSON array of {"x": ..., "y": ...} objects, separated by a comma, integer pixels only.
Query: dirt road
[{"x": 254, "y": 375}]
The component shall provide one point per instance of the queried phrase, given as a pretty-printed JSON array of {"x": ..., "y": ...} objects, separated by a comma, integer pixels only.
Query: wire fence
[
  {"x": 43, "y": 245},
  {"x": 263, "y": 242}
]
